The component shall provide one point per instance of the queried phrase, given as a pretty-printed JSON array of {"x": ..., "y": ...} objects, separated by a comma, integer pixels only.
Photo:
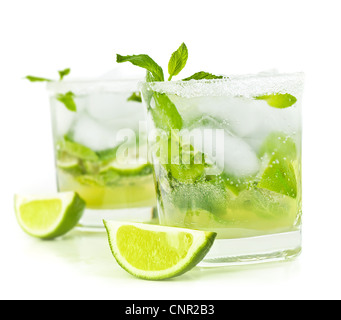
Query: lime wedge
[
  {"x": 154, "y": 252},
  {"x": 278, "y": 100},
  {"x": 48, "y": 217},
  {"x": 279, "y": 177}
]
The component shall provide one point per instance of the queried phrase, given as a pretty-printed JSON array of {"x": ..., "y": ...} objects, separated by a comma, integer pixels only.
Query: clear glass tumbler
[
  {"x": 227, "y": 158},
  {"x": 101, "y": 149}
]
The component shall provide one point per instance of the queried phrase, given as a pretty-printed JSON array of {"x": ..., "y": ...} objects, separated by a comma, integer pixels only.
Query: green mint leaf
[
  {"x": 63, "y": 73},
  {"x": 136, "y": 96},
  {"x": 37, "y": 79},
  {"x": 68, "y": 100},
  {"x": 108, "y": 154},
  {"x": 278, "y": 100},
  {"x": 144, "y": 61},
  {"x": 165, "y": 114},
  {"x": 202, "y": 75},
  {"x": 177, "y": 61}
]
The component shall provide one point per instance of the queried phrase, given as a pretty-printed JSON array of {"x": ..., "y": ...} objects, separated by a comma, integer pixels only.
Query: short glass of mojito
[
  {"x": 227, "y": 158},
  {"x": 101, "y": 149}
]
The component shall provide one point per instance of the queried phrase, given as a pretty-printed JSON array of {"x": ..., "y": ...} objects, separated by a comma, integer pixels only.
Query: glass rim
[
  {"x": 91, "y": 85},
  {"x": 244, "y": 85}
]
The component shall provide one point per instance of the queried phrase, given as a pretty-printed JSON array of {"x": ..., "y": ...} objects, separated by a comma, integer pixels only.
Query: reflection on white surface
[{"x": 89, "y": 253}]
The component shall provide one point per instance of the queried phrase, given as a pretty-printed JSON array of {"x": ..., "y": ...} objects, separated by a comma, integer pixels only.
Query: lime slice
[
  {"x": 70, "y": 165},
  {"x": 279, "y": 100},
  {"x": 279, "y": 177},
  {"x": 187, "y": 172},
  {"x": 265, "y": 204},
  {"x": 127, "y": 169},
  {"x": 77, "y": 150},
  {"x": 156, "y": 252},
  {"x": 94, "y": 180},
  {"x": 237, "y": 185},
  {"x": 67, "y": 164},
  {"x": 48, "y": 217},
  {"x": 281, "y": 144}
]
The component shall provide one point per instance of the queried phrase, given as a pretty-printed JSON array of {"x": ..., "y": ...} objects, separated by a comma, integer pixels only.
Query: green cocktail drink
[
  {"x": 101, "y": 149},
  {"x": 227, "y": 158}
]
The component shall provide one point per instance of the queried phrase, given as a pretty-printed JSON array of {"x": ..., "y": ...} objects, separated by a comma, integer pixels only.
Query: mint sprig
[
  {"x": 177, "y": 61},
  {"x": 68, "y": 98},
  {"x": 176, "y": 64},
  {"x": 165, "y": 114}
]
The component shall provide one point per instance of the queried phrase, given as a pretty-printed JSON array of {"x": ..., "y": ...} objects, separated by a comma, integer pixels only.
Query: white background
[{"x": 41, "y": 36}]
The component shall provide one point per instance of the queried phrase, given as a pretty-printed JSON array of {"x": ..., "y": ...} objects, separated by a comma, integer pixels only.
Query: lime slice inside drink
[
  {"x": 69, "y": 164},
  {"x": 154, "y": 252},
  {"x": 77, "y": 150},
  {"x": 128, "y": 168},
  {"x": 280, "y": 144},
  {"x": 48, "y": 217},
  {"x": 279, "y": 177}
]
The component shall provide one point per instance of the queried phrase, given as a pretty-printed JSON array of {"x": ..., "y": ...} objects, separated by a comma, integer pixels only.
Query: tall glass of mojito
[
  {"x": 227, "y": 158},
  {"x": 101, "y": 148}
]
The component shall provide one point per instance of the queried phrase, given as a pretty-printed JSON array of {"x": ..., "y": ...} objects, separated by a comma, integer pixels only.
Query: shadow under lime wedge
[
  {"x": 48, "y": 217},
  {"x": 155, "y": 252}
]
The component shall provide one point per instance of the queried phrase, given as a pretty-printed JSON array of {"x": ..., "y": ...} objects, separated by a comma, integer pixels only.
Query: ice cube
[
  {"x": 114, "y": 106},
  {"x": 252, "y": 120},
  {"x": 228, "y": 152},
  {"x": 93, "y": 134},
  {"x": 205, "y": 134},
  {"x": 264, "y": 118},
  {"x": 62, "y": 118},
  {"x": 245, "y": 117},
  {"x": 240, "y": 159},
  {"x": 188, "y": 108}
]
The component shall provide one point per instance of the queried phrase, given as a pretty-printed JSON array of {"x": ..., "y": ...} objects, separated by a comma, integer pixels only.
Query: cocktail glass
[
  {"x": 101, "y": 149},
  {"x": 227, "y": 158}
]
